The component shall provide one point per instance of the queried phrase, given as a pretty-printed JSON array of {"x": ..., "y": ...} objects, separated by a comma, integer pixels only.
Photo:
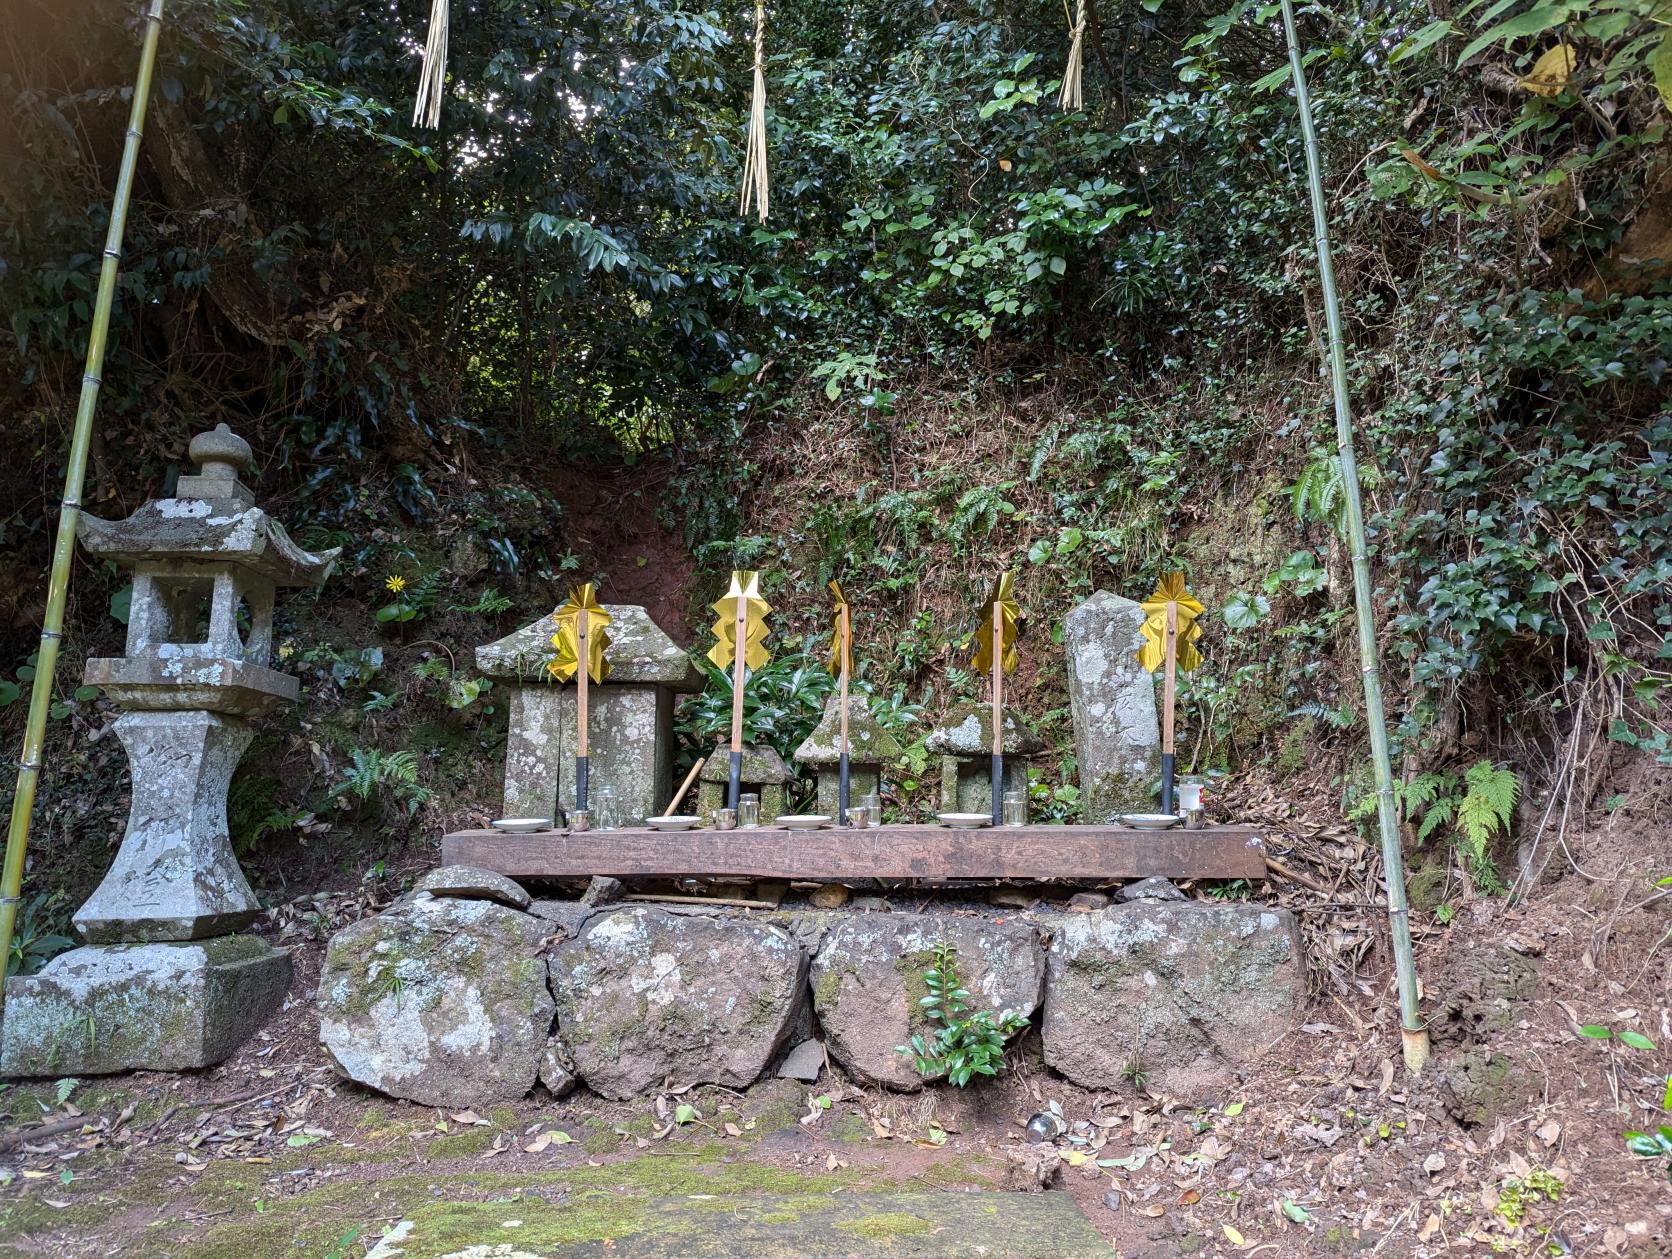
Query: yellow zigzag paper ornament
[
  {"x": 745, "y": 585},
  {"x": 837, "y": 637},
  {"x": 1010, "y": 613},
  {"x": 567, "y": 640},
  {"x": 1154, "y": 651}
]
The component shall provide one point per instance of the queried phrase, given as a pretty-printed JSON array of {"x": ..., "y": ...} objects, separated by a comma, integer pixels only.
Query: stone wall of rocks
[{"x": 468, "y": 992}]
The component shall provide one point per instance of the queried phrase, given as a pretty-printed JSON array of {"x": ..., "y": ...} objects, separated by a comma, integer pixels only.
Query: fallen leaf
[
  {"x": 1232, "y": 1236},
  {"x": 1549, "y": 1132},
  {"x": 732, "y": 1130},
  {"x": 1233, "y": 1110},
  {"x": 1550, "y": 73},
  {"x": 1190, "y": 1197}
]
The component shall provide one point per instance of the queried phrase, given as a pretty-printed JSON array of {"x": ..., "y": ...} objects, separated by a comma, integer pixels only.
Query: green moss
[
  {"x": 1425, "y": 886},
  {"x": 966, "y": 1172},
  {"x": 886, "y": 1224},
  {"x": 850, "y": 1129},
  {"x": 459, "y": 1144},
  {"x": 826, "y": 988},
  {"x": 1293, "y": 752}
]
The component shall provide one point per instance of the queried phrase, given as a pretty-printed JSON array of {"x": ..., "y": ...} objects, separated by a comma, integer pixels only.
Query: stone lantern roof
[
  {"x": 868, "y": 742},
  {"x": 968, "y": 731},
  {"x": 639, "y": 652},
  {"x": 213, "y": 517}
]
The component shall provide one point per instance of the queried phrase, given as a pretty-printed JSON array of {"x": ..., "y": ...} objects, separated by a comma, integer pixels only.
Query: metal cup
[
  {"x": 1195, "y": 819},
  {"x": 580, "y": 820},
  {"x": 725, "y": 819}
]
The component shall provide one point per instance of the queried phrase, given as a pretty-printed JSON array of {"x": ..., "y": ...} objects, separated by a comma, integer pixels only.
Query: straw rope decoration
[
  {"x": 1072, "y": 98},
  {"x": 754, "y": 159},
  {"x": 426, "y": 109}
]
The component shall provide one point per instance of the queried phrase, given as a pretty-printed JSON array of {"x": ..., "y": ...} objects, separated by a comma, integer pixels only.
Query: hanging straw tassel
[
  {"x": 426, "y": 109},
  {"x": 754, "y": 159},
  {"x": 1072, "y": 98}
]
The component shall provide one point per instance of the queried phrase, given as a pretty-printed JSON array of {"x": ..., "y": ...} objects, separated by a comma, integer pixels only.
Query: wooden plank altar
[{"x": 883, "y": 852}]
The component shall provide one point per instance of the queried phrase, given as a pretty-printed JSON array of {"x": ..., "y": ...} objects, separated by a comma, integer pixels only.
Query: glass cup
[
  {"x": 859, "y": 817},
  {"x": 749, "y": 810},
  {"x": 871, "y": 802},
  {"x": 1015, "y": 809},
  {"x": 725, "y": 819},
  {"x": 606, "y": 810},
  {"x": 580, "y": 820}
]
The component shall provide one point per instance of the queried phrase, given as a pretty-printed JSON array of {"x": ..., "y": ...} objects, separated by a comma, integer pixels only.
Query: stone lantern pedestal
[
  {"x": 631, "y": 748},
  {"x": 764, "y": 773},
  {"x": 870, "y": 750},
  {"x": 964, "y": 743},
  {"x": 162, "y": 983}
]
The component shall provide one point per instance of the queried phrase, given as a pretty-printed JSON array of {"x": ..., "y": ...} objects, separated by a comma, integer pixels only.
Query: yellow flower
[{"x": 395, "y": 585}]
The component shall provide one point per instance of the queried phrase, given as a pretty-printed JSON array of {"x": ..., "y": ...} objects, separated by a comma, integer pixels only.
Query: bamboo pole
[
  {"x": 998, "y": 712},
  {"x": 685, "y": 786},
  {"x": 69, "y": 510},
  {"x": 1413, "y": 1032}
]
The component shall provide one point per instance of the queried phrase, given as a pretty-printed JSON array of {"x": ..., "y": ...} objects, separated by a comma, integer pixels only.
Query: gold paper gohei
[
  {"x": 1154, "y": 651},
  {"x": 566, "y": 641},
  {"x": 745, "y": 586},
  {"x": 1009, "y": 617}
]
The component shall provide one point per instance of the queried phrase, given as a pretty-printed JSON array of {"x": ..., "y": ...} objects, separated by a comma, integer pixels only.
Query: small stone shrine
[
  {"x": 1117, "y": 734},
  {"x": 870, "y": 750},
  {"x": 162, "y": 983},
  {"x": 964, "y": 743},
  {"x": 764, "y": 773},
  {"x": 631, "y": 717}
]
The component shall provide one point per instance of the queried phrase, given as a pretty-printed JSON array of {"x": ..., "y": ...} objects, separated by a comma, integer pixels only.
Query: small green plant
[
  {"x": 1478, "y": 807},
  {"x": 967, "y": 1045},
  {"x": 1656, "y": 1144},
  {"x": 1517, "y": 1196},
  {"x": 412, "y": 599},
  {"x": 782, "y": 702},
  {"x": 490, "y": 603},
  {"x": 37, "y": 938},
  {"x": 371, "y": 771}
]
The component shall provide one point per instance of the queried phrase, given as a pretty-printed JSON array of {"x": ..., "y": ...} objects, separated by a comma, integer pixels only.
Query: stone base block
[
  {"x": 126, "y": 1007},
  {"x": 1184, "y": 993}
]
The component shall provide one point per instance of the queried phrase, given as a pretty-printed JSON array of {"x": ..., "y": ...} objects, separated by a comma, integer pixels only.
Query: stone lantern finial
[{"x": 221, "y": 455}]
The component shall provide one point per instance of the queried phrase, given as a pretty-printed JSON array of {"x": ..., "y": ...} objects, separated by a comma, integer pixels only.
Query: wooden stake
[
  {"x": 998, "y": 714},
  {"x": 739, "y": 672},
  {"x": 685, "y": 786},
  {"x": 1169, "y": 694},
  {"x": 582, "y": 768},
  {"x": 844, "y": 764}
]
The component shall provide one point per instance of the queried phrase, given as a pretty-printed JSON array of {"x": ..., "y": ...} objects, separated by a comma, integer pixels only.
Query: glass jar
[
  {"x": 748, "y": 810},
  {"x": 1015, "y": 808},
  {"x": 606, "y": 810}
]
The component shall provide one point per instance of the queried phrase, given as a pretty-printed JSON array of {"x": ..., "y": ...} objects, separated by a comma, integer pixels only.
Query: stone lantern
[
  {"x": 870, "y": 750},
  {"x": 163, "y": 983},
  {"x": 764, "y": 773},
  {"x": 964, "y": 743},
  {"x": 631, "y": 717}
]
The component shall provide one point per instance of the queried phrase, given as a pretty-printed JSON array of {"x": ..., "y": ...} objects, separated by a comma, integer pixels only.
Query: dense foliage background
[{"x": 977, "y": 331}]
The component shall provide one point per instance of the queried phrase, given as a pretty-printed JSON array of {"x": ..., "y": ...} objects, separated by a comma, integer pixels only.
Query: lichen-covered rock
[
  {"x": 645, "y": 995},
  {"x": 473, "y": 883},
  {"x": 1186, "y": 993},
  {"x": 868, "y": 979},
  {"x": 439, "y": 1001},
  {"x": 1117, "y": 735},
  {"x": 153, "y": 1007},
  {"x": 557, "y": 1069}
]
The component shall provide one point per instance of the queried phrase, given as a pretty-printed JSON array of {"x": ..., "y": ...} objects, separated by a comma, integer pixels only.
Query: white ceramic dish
[
  {"x": 673, "y": 822},
  {"x": 1149, "y": 821},
  {"x": 521, "y": 825},
  {"x": 965, "y": 821},
  {"x": 804, "y": 821}
]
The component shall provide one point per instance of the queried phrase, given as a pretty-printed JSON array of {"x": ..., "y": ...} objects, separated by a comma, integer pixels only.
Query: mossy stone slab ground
[{"x": 995, "y": 1225}]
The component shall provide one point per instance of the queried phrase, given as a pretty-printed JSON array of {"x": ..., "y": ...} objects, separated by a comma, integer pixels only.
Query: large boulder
[
  {"x": 439, "y": 1001},
  {"x": 1186, "y": 994},
  {"x": 868, "y": 981},
  {"x": 1117, "y": 735},
  {"x": 646, "y": 995}
]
